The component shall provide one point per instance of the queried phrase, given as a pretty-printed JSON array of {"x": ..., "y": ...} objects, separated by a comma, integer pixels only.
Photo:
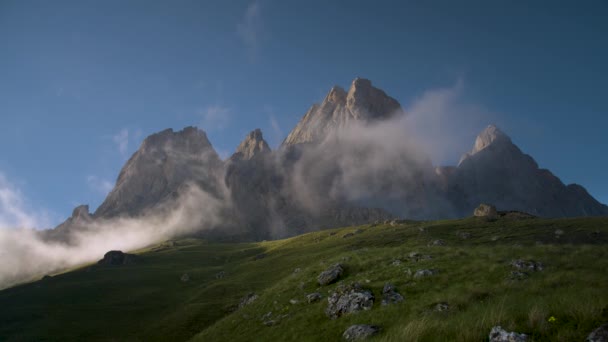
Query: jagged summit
[
  {"x": 489, "y": 136},
  {"x": 253, "y": 145},
  {"x": 362, "y": 103}
]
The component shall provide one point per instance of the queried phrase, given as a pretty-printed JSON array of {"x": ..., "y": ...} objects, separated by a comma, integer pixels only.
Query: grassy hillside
[{"x": 148, "y": 301}]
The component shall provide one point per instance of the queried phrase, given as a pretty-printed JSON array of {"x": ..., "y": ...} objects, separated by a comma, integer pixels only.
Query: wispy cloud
[
  {"x": 121, "y": 139},
  {"x": 215, "y": 117},
  {"x": 276, "y": 135},
  {"x": 249, "y": 28},
  {"x": 14, "y": 212},
  {"x": 99, "y": 185}
]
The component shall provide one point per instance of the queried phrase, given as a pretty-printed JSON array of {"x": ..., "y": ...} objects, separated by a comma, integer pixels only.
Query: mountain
[
  {"x": 363, "y": 102},
  {"x": 335, "y": 168},
  {"x": 496, "y": 171}
]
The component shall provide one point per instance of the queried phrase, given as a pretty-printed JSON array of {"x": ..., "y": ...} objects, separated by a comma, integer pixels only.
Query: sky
[{"x": 82, "y": 83}]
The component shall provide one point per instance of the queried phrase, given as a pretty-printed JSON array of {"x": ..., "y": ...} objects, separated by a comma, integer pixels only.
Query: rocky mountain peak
[
  {"x": 362, "y": 103},
  {"x": 488, "y": 136},
  {"x": 188, "y": 140},
  {"x": 81, "y": 212},
  {"x": 253, "y": 145}
]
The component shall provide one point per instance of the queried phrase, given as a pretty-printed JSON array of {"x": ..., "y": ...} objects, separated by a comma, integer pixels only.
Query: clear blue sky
[{"x": 83, "y": 82}]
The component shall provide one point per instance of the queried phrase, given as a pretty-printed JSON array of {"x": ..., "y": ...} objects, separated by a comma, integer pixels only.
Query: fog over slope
[{"x": 355, "y": 158}]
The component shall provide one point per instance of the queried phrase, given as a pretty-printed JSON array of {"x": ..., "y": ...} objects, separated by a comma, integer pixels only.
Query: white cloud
[
  {"x": 215, "y": 117},
  {"x": 121, "y": 139},
  {"x": 14, "y": 212},
  {"x": 250, "y": 27},
  {"x": 99, "y": 185}
]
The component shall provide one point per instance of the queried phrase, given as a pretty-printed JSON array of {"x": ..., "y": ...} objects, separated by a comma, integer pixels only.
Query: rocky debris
[
  {"x": 360, "y": 332},
  {"x": 348, "y": 299},
  {"x": 330, "y": 275},
  {"x": 485, "y": 210},
  {"x": 442, "y": 307},
  {"x": 463, "y": 235},
  {"x": 390, "y": 295},
  {"x": 518, "y": 275},
  {"x": 117, "y": 258},
  {"x": 437, "y": 243},
  {"x": 220, "y": 275},
  {"x": 599, "y": 335},
  {"x": 259, "y": 256},
  {"x": 185, "y": 277},
  {"x": 396, "y": 262},
  {"x": 293, "y": 301},
  {"x": 529, "y": 265},
  {"x": 248, "y": 299},
  {"x": 347, "y": 235},
  {"x": 498, "y": 334},
  {"x": 559, "y": 233},
  {"x": 415, "y": 256},
  {"x": 313, "y": 297},
  {"x": 424, "y": 273},
  {"x": 253, "y": 145},
  {"x": 297, "y": 270}
]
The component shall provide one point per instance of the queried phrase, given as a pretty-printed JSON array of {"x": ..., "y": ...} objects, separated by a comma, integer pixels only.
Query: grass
[{"x": 147, "y": 301}]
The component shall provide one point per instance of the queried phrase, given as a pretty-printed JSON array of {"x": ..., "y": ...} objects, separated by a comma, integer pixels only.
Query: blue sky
[{"x": 83, "y": 82}]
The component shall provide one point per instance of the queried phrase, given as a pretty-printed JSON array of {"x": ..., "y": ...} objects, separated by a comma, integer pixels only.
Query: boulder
[
  {"x": 330, "y": 275},
  {"x": 248, "y": 299},
  {"x": 348, "y": 299},
  {"x": 117, "y": 258},
  {"x": 313, "y": 297},
  {"x": 185, "y": 277},
  {"x": 485, "y": 210},
  {"x": 390, "y": 295},
  {"x": 360, "y": 332},
  {"x": 424, "y": 273},
  {"x": 529, "y": 265},
  {"x": 599, "y": 335},
  {"x": 498, "y": 334}
]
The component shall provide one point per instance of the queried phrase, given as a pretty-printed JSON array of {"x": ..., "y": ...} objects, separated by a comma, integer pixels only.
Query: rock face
[
  {"x": 117, "y": 258},
  {"x": 360, "y": 332},
  {"x": 164, "y": 162},
  {"x": 253, "y": 145},
  {"x": 362, "y": 102}
]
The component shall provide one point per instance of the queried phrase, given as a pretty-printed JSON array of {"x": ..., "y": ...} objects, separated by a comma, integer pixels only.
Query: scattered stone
[
  {"x": 422, "y": 229},
  {"x": 498, "y": 334},
  {"x": 360, "y": 332},
  {"x": 530, "y": 265},
  {"x": 220, "y": 275},
  {"x": 485, "y": 210},
  {"x": 116, "y": 258},
  {"x": 464, "y": 235},
  {"x": 424, "y": 273},
  {"x": 297, "y": 270},
  {"x": 599, "y": 335},
  {"x": 348, "y": 299},
  {"x": 518, "y": 275},
  {"x": 495, "y": 238},
  {"x": 347, "y": 235},
  {"x": 330, "y": 275},
  {"x": 185, "y": 277},
  {"x": 559, "y": 233},
  {"x": 442, "y": 307},
  {"x": 413, "y": 255},
  {"x": 293, "y": 301},
  {"x": 313, "y": 297},
  {"x": 259, "y": 256},
  {"x": 267, "y": 316},
  {"x": 408, "y": 271},
  {"x": 270, "y": 323},
  {"x": 390, "y": 295},
  {"x": 438, "y": 243},
  {"x": 396, "y": 262},
  {"x": 248, "y": 299}
]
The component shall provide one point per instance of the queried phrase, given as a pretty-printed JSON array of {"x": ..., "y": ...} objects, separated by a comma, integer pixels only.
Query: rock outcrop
[
  {"x": 347, "y": 299},
  {"x": 360, "y": 332},
  {"x": 117, "y": 258}
]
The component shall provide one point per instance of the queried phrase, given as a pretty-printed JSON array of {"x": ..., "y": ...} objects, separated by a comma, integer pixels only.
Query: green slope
[{"x": 147, "y": 301}]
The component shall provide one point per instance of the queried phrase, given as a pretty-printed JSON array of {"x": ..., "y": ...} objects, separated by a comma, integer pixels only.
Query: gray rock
[
  {"x": 396, "y": 262},
  {"x": 220, "y": 275},
  {"x": 518, "y": 275},
  {"x": 313, "y": 297},
  {"x": 348, "y": 299},
  {"x": 248, "y": 299},
  {"x": 297, "y": 270},
  {"x": 464, "y": 235},
  {"x": 330, "y": 275},
  {"x": 485, "y": 210},
  {"x": 529, "y": 265},
  {"x": 599, "y": 335},
  {"x": 390, "y": 295},
  {"x": 438, "y": 243},
  {"x": 424, "y": 273},
  {"x": 185, "y": 277},
  {"x": 498, "y": 334},
  {"x": 441, "y": 307},
  {"x": 360, "y": 332},
  {"x": 117, "y": 258},
  {"x": 293, "y": 301}
]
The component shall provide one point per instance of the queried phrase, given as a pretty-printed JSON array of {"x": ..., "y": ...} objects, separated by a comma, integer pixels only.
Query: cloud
[
  {"x": 215, "y": 117},
  {"x": 14, "y": 212},
  {"x": 250, "y": 27},
  {"x": 121, "y": 139},
  {"x": 99, "y": 185}
]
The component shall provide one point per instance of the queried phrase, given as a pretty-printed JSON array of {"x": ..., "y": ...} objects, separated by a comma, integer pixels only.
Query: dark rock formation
[
  {"x": 498, "y": 334},
  {"x": 485, "y": 210},
  {"x": 348, "y": 299},
  {"x": 330, "y": 275},
  {"x": 117, "y": 258},
  {"x": 599, "y": 335},
  {"x": 360, "y": 332}
]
